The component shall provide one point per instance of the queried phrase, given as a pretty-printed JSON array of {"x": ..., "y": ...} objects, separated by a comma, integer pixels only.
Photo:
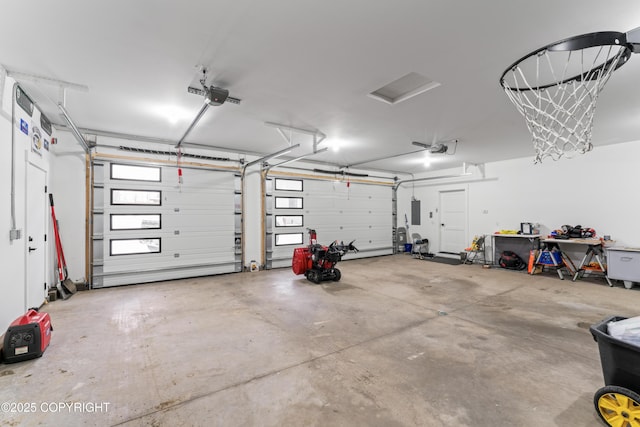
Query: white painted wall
[
  {"x": 253, "y": 216},
  {"x": 68, "y": 189},
  {"x": 598, "y": 190},
  {"x": 13, "y": 254},
  {"x": 12, "y": 288}
]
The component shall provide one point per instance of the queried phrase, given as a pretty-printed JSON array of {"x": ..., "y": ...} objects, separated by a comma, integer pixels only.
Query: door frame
[
  {"x": 45, "y": 242},
  {"x": 465, "y": 224}
]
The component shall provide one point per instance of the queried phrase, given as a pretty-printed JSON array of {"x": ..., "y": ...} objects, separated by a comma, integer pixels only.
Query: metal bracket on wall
[
  {"x": 318, "y": 136},
  {"x": 479, "y": 166}
]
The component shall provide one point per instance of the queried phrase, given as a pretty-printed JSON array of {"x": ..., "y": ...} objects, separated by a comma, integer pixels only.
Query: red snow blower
[{"x": 318, "y": 262}]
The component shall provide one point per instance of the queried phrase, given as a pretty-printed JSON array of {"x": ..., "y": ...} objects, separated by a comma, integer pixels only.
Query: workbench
[
  {"x": 521, "y": 244},
  {"x": 594, "y": 250}
]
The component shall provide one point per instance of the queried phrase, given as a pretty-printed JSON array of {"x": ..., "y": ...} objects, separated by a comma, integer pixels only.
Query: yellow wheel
[{"x": 618, "y": 406}]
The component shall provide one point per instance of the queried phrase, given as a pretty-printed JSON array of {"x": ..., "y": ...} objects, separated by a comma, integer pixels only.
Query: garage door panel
[
  {"x": 154, "y": 275},
  {"x": 204, "y": 200},
  {"x": 199, "y": 222},
  {"x": 360, "y": 212},
  {"x": 194, "y": 258}
]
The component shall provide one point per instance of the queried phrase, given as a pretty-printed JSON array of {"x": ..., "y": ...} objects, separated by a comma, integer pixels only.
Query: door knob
[{"x": 32, "y": 249}]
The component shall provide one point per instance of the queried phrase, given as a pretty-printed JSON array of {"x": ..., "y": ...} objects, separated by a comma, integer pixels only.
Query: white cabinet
[{"x": 624, "y": 264}]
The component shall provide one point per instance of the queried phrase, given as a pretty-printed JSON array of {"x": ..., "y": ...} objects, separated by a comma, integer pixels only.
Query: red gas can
[{"x": 27, "y": 337}]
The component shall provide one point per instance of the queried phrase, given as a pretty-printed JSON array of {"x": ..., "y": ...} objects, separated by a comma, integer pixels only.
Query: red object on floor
[
  {"x": 301, "y": 260},
  {"x": 27, "y": 337}
]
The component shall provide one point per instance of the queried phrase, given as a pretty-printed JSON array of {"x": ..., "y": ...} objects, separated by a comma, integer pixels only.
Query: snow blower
[{"x": 318, "y": 262}]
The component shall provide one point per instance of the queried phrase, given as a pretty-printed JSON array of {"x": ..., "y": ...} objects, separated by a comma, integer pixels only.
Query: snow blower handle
[{"x": 313, "y": 237}]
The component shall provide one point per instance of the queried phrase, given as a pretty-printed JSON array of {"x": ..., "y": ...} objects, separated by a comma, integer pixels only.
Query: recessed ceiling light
[
  {"x": 172, "y": 113},
  {"x": 334, "y": 144}
]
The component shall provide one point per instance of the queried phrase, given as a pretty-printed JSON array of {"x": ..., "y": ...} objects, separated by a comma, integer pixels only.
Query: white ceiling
[{"x": 310, "y": 65}]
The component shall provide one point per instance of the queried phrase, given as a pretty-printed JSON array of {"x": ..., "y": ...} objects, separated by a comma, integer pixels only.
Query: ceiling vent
[{"x": 404, "y": 88}]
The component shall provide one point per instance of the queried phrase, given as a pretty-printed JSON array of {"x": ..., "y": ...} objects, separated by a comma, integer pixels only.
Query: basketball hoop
[{"x": 556, "y": 88}]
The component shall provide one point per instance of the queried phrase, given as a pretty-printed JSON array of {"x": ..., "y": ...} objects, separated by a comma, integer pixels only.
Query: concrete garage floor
[{"x": 376, "y": 349}]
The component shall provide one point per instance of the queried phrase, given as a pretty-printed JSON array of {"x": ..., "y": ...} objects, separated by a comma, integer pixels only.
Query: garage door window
[
  {"x": 288, "y": 184},
  {"x": 136, "y": 197},
  {"x": 289, "y": 221},
  {"x": 135, "y": 221},
  {"x": 288, "y": 202},
  {"x": 288, "y": 239},
  {"x": 135, "y": 173},
  {"x": 134, "y": 246}
]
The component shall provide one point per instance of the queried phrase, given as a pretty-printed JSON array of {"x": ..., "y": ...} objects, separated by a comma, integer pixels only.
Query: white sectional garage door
[
  {"x": 360, "y": 212},
  {"x": 147, "y": 227}
]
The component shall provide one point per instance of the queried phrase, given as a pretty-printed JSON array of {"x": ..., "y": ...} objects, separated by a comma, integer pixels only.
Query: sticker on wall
[
  {"x": 36, "y": 141},
  {"x": 24, "y": 101},
  {"x": 24, "y": 127}
]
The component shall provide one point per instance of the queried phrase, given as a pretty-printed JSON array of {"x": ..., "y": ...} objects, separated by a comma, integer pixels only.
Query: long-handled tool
[
  {"x": 66, "y": 283},
  {"x": 60, "y": 287}
]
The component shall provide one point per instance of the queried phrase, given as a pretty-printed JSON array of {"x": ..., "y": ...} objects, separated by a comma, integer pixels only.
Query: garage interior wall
[
  {"x": 593, "y": 190},
  {"x": 16, "y": 296}
]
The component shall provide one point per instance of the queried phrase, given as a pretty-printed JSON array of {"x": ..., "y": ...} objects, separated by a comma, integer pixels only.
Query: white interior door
[
  {"x": 453, "y": 221},
  {"x": 36, "y": 230}
]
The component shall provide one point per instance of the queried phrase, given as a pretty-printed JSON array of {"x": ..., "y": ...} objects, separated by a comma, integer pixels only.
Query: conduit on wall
[{"x": 14, "y": 234}]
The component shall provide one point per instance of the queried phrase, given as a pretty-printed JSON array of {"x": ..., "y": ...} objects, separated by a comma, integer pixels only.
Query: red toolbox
[{"x": 27, "y": 337}]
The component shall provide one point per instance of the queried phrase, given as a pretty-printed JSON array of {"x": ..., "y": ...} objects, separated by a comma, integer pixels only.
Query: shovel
[{"x": 66, "y": 284}]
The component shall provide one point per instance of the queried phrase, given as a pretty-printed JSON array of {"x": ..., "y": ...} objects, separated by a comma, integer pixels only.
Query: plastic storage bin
[
  {"x": 620, "y": 360},
  {"x": 547, "y": 258}
]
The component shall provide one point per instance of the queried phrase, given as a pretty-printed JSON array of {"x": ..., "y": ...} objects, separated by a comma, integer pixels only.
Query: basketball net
[{"x": 556, "y": 93}]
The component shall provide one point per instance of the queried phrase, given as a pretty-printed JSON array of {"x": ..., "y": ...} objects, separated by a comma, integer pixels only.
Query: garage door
[
  {"x": 147, "y": 228},
  {"x": 337, "y": 211}
]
